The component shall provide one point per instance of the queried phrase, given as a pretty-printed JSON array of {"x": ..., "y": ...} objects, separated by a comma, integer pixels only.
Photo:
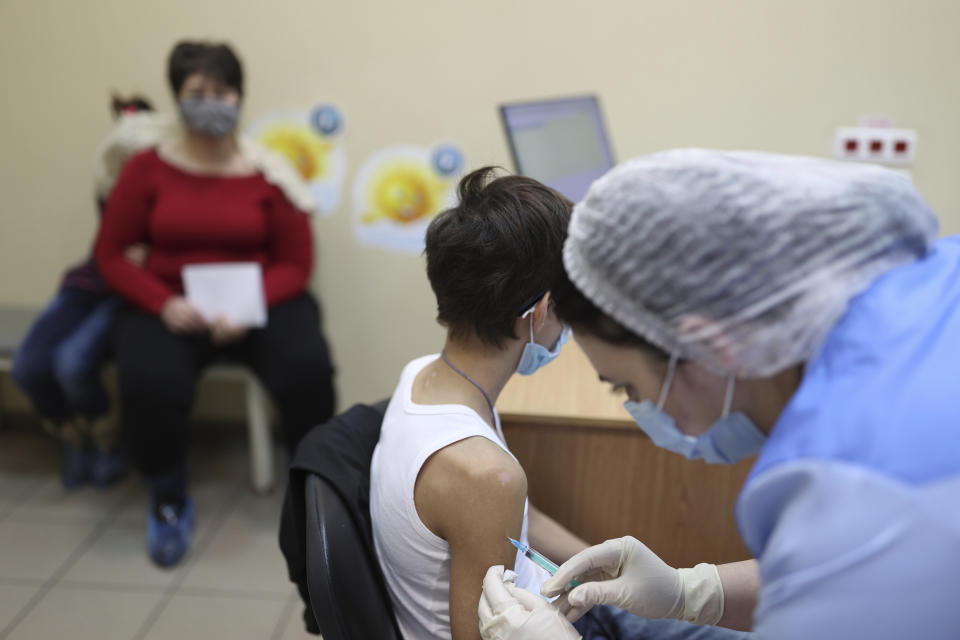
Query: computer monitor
[{"x": 562, "y": 143}]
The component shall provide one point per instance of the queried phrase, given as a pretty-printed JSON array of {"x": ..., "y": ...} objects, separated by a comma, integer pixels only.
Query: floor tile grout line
[
  {"x": 21, "y": 582},
  {"x": 121, "y": 587},
  {"x": 199, "y": 546},
  {"x": 198, "y": 592},
  {"x": 45, "y": 517},
  {"x": 217, "y": 592},
  {"x": 285, "y": 615},
  {"x": 85, "y": 545},
  {"x": 28, "y": 492},
  {"x": 20, "y": 498}
]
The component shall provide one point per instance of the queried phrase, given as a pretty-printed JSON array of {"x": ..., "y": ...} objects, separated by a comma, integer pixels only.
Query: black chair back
[{"x": 347, "y": 592}]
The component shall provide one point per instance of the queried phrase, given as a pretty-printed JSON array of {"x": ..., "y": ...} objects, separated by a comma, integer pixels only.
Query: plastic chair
[{"x": 347, "y": 592}]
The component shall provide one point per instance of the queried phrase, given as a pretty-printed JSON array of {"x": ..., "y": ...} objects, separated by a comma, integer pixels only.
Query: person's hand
[
  {"x": 222, "y": 332},
  {"x": 621, "y": 572},
  {"x": 508, "y": 612},
  {"x": 626, "y": 574},
  {"x": 137, "y": 254},
  {"x": 182, "y": 317}
]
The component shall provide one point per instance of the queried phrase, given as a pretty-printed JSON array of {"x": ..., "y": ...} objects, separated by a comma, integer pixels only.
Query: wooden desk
[{"x": 590, "y": 467}]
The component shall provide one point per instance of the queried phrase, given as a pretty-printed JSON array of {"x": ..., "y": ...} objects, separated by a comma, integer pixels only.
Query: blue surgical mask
[
  {"x": 728, "y": 440},
  {"x": 536, "y": 355}
]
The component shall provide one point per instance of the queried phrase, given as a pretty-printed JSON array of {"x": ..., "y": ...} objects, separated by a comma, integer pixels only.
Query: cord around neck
[{"x": 486, "y": 396}]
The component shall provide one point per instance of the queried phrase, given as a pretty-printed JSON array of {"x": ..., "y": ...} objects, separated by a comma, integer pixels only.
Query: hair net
[{"x": 742, "y": 261}]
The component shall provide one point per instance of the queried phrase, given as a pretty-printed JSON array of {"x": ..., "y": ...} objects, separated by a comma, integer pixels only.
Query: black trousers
[{"x": 157, "y": 373}]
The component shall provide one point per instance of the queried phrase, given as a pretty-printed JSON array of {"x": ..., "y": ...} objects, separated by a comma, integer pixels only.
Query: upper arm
[
  {"x": 127, "y": 213},
  {"x": 472, "y": 495},
  {"x": 290, "y": 249},
  {"x": 291, "y": 240},
  {"x": 126, "y": 222}
]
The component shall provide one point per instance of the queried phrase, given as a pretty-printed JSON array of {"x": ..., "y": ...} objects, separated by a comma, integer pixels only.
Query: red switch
[
  {"x": 900, "y": 146},
  {"x": 851, "y": 145},
  {"x": 876, "y": 146}
]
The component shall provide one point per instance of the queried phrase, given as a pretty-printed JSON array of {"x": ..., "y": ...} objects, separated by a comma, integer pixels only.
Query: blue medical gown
[{"x": 853, "y": 506}]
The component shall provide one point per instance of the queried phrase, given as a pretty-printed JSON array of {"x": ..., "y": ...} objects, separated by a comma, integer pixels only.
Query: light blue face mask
[
  {"x": 536, "y": 355},
  {"x": 728, "y": 440}
]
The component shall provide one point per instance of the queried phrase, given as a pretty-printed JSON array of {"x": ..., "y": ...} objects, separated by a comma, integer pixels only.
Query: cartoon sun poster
[
  {"x": 312, "y": 142},
  {"x": 399, "y": 190}
]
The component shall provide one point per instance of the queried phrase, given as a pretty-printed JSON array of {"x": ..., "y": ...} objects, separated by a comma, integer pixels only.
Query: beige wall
[{"x": 761, "y": 74}]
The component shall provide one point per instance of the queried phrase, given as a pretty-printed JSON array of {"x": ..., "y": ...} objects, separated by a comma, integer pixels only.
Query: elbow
[{"x": 299, "y": 278}]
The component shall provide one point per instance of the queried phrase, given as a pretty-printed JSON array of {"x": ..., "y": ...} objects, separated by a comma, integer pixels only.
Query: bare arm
[
  {"x": 471, "y": 494},
  {"x": 551, "y": 538},
  {"x": 741, "y": 582}
]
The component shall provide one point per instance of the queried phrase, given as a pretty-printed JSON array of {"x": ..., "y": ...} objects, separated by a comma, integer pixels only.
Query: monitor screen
[{"x": 562, "y": 143}]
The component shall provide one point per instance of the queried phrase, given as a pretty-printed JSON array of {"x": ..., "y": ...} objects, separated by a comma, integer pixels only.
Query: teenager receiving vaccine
[{"x": 445, "y": 490}]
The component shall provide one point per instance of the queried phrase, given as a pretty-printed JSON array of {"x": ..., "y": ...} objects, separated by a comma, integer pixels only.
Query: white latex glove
[
  {"x": 508, "y": 612},
  {"x": 626, "y": 574}
]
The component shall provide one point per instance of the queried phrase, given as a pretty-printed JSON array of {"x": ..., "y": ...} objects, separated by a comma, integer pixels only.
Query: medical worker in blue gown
[{"x": 795, "y": 308}]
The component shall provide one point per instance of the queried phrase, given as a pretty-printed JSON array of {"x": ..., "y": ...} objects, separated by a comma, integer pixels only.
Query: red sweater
[{"x": 186, "y": 218}]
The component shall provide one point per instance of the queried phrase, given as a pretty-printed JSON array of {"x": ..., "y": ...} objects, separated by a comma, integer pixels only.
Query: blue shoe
[
  {"x": 108, "y": 466},
  {"x": 169, "y": 532},
  {"x": 75, "y": 466}
]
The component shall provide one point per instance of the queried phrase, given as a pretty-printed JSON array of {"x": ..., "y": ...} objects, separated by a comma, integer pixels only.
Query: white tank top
[{"x": 415, "y": 561}]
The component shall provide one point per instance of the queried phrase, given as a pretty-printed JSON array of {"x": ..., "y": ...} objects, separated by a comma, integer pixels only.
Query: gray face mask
[{"x": 209, "y": 117}]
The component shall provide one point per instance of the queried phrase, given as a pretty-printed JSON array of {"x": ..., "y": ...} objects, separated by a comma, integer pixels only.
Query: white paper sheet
[{"x": 232, "y": 289}]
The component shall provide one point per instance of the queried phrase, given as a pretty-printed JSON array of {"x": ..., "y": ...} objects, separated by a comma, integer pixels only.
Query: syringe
[{"x": 540, "y": 560}]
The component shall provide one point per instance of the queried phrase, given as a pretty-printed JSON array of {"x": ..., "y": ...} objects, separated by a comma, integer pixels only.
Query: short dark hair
[
  {"x": 494, "y": 253},
  {"x": 577, "y": 311},
  {"x": 217, "y": 61}
]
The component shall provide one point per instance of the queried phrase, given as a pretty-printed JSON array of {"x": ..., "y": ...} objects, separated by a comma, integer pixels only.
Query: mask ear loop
[
  {"x": 728, "y": 397},
  {"x": 667, "y": 381},
  {"x": 529, "y": 312}
]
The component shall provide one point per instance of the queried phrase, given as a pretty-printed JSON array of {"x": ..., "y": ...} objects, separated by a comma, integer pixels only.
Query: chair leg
[{"x": 261, "y": 446}]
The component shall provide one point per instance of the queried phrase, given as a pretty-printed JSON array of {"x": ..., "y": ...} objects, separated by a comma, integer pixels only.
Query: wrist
[{"x": 703, "y": 598}]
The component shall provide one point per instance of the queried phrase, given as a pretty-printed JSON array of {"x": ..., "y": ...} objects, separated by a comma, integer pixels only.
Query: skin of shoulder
[{"x": 472, "y": 494}]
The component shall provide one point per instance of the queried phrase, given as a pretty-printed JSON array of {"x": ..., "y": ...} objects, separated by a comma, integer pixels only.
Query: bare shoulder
[
  {"x": 470, "y": 479},
  {"x": 473, "y": 465}
]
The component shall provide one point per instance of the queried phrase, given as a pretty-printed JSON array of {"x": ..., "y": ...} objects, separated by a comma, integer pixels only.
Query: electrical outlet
[
  {"x": 880, "y": 145},
  {"x": 875, "y": 144},
  {"x": 901, "y": 146},
  {"x": 847, "y": 144}
]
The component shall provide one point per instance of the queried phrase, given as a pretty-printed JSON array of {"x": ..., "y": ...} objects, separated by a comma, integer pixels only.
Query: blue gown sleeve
[{"x": 846, "y": 552}]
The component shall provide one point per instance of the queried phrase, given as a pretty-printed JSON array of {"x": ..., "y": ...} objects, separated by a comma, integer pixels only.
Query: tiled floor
[{"x": 74, "y": 565}]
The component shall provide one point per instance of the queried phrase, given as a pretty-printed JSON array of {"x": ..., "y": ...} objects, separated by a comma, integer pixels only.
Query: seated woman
[
  {"x": 200, "y": 196},
  {"x": 445, "y": 490}
]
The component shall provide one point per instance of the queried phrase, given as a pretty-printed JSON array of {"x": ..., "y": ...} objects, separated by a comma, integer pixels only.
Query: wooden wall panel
[{"x": 608, "y": 482}]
